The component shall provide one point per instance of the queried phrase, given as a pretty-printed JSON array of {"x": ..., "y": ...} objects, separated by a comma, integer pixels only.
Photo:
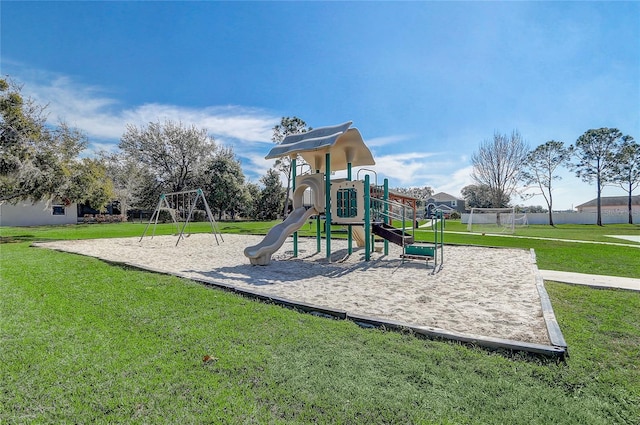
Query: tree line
[
  {"x": 504, "y": 166},
  {"x": 39, "y": 161},
  {"x": 43, "y": 162}
]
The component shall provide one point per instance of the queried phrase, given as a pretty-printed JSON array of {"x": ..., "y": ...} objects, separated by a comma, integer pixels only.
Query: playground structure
[
  {"x": 181, "y": 207},
  {"x": 366, "y": 209}
]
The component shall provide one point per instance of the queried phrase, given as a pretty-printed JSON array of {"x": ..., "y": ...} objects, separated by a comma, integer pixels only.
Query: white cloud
[
  {"x": 103, "y": 118},
  {"x": 89, "y": 109},
  {"x": 234, "y": 122},
  {"x": 255, "y": 166},
  {"x": 387, "y": 140},
  {"x": 452, "y": 183},
  {"x": 403, "y": 169}
]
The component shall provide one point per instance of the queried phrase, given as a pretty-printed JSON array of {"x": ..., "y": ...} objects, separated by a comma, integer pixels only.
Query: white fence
[{"x": 574, "y": 218}]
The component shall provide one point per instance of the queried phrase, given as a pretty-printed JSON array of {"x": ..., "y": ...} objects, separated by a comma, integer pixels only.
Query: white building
[
  {"x": 612, "y": 205},
  {"x": 27, "y": 213}
]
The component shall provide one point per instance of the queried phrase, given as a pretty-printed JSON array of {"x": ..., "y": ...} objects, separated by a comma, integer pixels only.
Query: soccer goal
[{"x": 495, "y": 220}]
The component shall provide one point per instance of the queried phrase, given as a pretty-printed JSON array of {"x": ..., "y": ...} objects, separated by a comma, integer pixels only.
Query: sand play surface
[{"x": 482, "y": 291}]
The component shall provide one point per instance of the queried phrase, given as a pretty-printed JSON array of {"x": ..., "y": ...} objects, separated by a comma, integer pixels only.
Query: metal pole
[
  {"x": 437, "y": 233},
  {"x": 293, "y": 190},
  {"x": 327, "y": 214},
  {"x": 214, "y": 226},
  {"x": 386, "y": 212},
  {"x": 157, "y": 211},
  {"x": 441, "y": 239},
  {"x": 188, "y": 218},
  {"x": 176, "y": 203},
  {"x": 367, "y": 219},
  {"x": 349, "y": 229}
]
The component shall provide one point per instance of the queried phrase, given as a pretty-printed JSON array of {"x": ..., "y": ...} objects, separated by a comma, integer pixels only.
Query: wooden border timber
[{"x": 553, "y": 329}]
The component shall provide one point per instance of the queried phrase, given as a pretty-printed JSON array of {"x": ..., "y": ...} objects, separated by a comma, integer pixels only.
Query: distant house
[
  {"x": 612, "y": 205},
  {"x": 27, "y": 213},
  {"x": 446, "y": 203}
]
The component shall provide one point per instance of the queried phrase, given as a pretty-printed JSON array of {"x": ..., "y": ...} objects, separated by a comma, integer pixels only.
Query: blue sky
[{"x": 425, "y": 82}]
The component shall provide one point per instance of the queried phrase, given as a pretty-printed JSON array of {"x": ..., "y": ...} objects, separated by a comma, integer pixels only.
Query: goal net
[{"x": 495, "y": 220}]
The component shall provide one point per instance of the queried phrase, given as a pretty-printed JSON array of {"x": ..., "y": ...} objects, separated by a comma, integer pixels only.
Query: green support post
[
  {"x": 293, "y": 190},
  {"x": 318, "y": 229},
  {"x": 435, "y": 240},
  {"x": 327, "y": 213},
  {"x": 442, "y": 223},
  {"x": 349, "y": 230},
  {"x": 386, "y": 212},
  {"x": 367, "y": 219}
]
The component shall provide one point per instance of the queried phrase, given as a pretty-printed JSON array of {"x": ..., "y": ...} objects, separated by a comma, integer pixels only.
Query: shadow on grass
[
  {"x": 244, "y": 230},
  {"x": 17, "y": 238}
]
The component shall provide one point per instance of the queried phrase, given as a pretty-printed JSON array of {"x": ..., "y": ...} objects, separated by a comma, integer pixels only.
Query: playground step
[
  {"x": 390, "y": 233},
  {"x": 419, "y": 250}
]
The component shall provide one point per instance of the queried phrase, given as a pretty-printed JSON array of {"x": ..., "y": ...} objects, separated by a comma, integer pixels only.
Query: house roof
[
  {"x": 443, "y": 197},
  {"x": 612, "y": 201},
  {"x": 445, "y": 208},
  {"x": 398, "y": 195}
]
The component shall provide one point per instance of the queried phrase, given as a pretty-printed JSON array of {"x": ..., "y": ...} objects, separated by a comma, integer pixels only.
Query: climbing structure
[
  {"x": 326, "y": 150},
  {"x": 364, "y": 208}
]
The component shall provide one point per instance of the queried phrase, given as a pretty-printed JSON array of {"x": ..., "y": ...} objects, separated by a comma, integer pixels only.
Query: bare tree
[
  {"x": 595, "y": 152},
  {"x": 477, "y": 196},
  {"x": 626, "y": 170},
  {"x": 420, "y": 193},
  {"x": 498, "y": 164},
  {"x": 174, "y": 153},
  {"x": 128, "y": 178},
  {"x": 540, "y": 169},
  {"x": 287, "y": 126}
]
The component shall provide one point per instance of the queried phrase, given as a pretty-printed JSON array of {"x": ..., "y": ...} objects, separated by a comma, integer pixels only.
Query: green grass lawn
[
  {"x": 551, "y": 254},
  {"x": 85, "y": 341},
  {"x": 563, "y": 254},
  {"x": 581, "y": 232}
]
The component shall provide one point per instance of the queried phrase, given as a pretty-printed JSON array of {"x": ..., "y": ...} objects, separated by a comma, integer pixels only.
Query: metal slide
[
  {"x": 261, "y": 253},
  {"x": 390, "y": 233}
]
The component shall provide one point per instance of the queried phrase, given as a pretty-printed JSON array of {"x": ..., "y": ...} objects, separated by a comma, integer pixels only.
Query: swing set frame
[{"x": 171, "y": 202}]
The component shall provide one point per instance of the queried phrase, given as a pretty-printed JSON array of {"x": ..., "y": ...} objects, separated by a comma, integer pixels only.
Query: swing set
[{"x": 181, "y": 206}]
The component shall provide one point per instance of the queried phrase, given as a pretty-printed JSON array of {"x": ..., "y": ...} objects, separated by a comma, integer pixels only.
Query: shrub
[
  {"x": 199, "y": 215},
  {"x": 164, "y": 216}
]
